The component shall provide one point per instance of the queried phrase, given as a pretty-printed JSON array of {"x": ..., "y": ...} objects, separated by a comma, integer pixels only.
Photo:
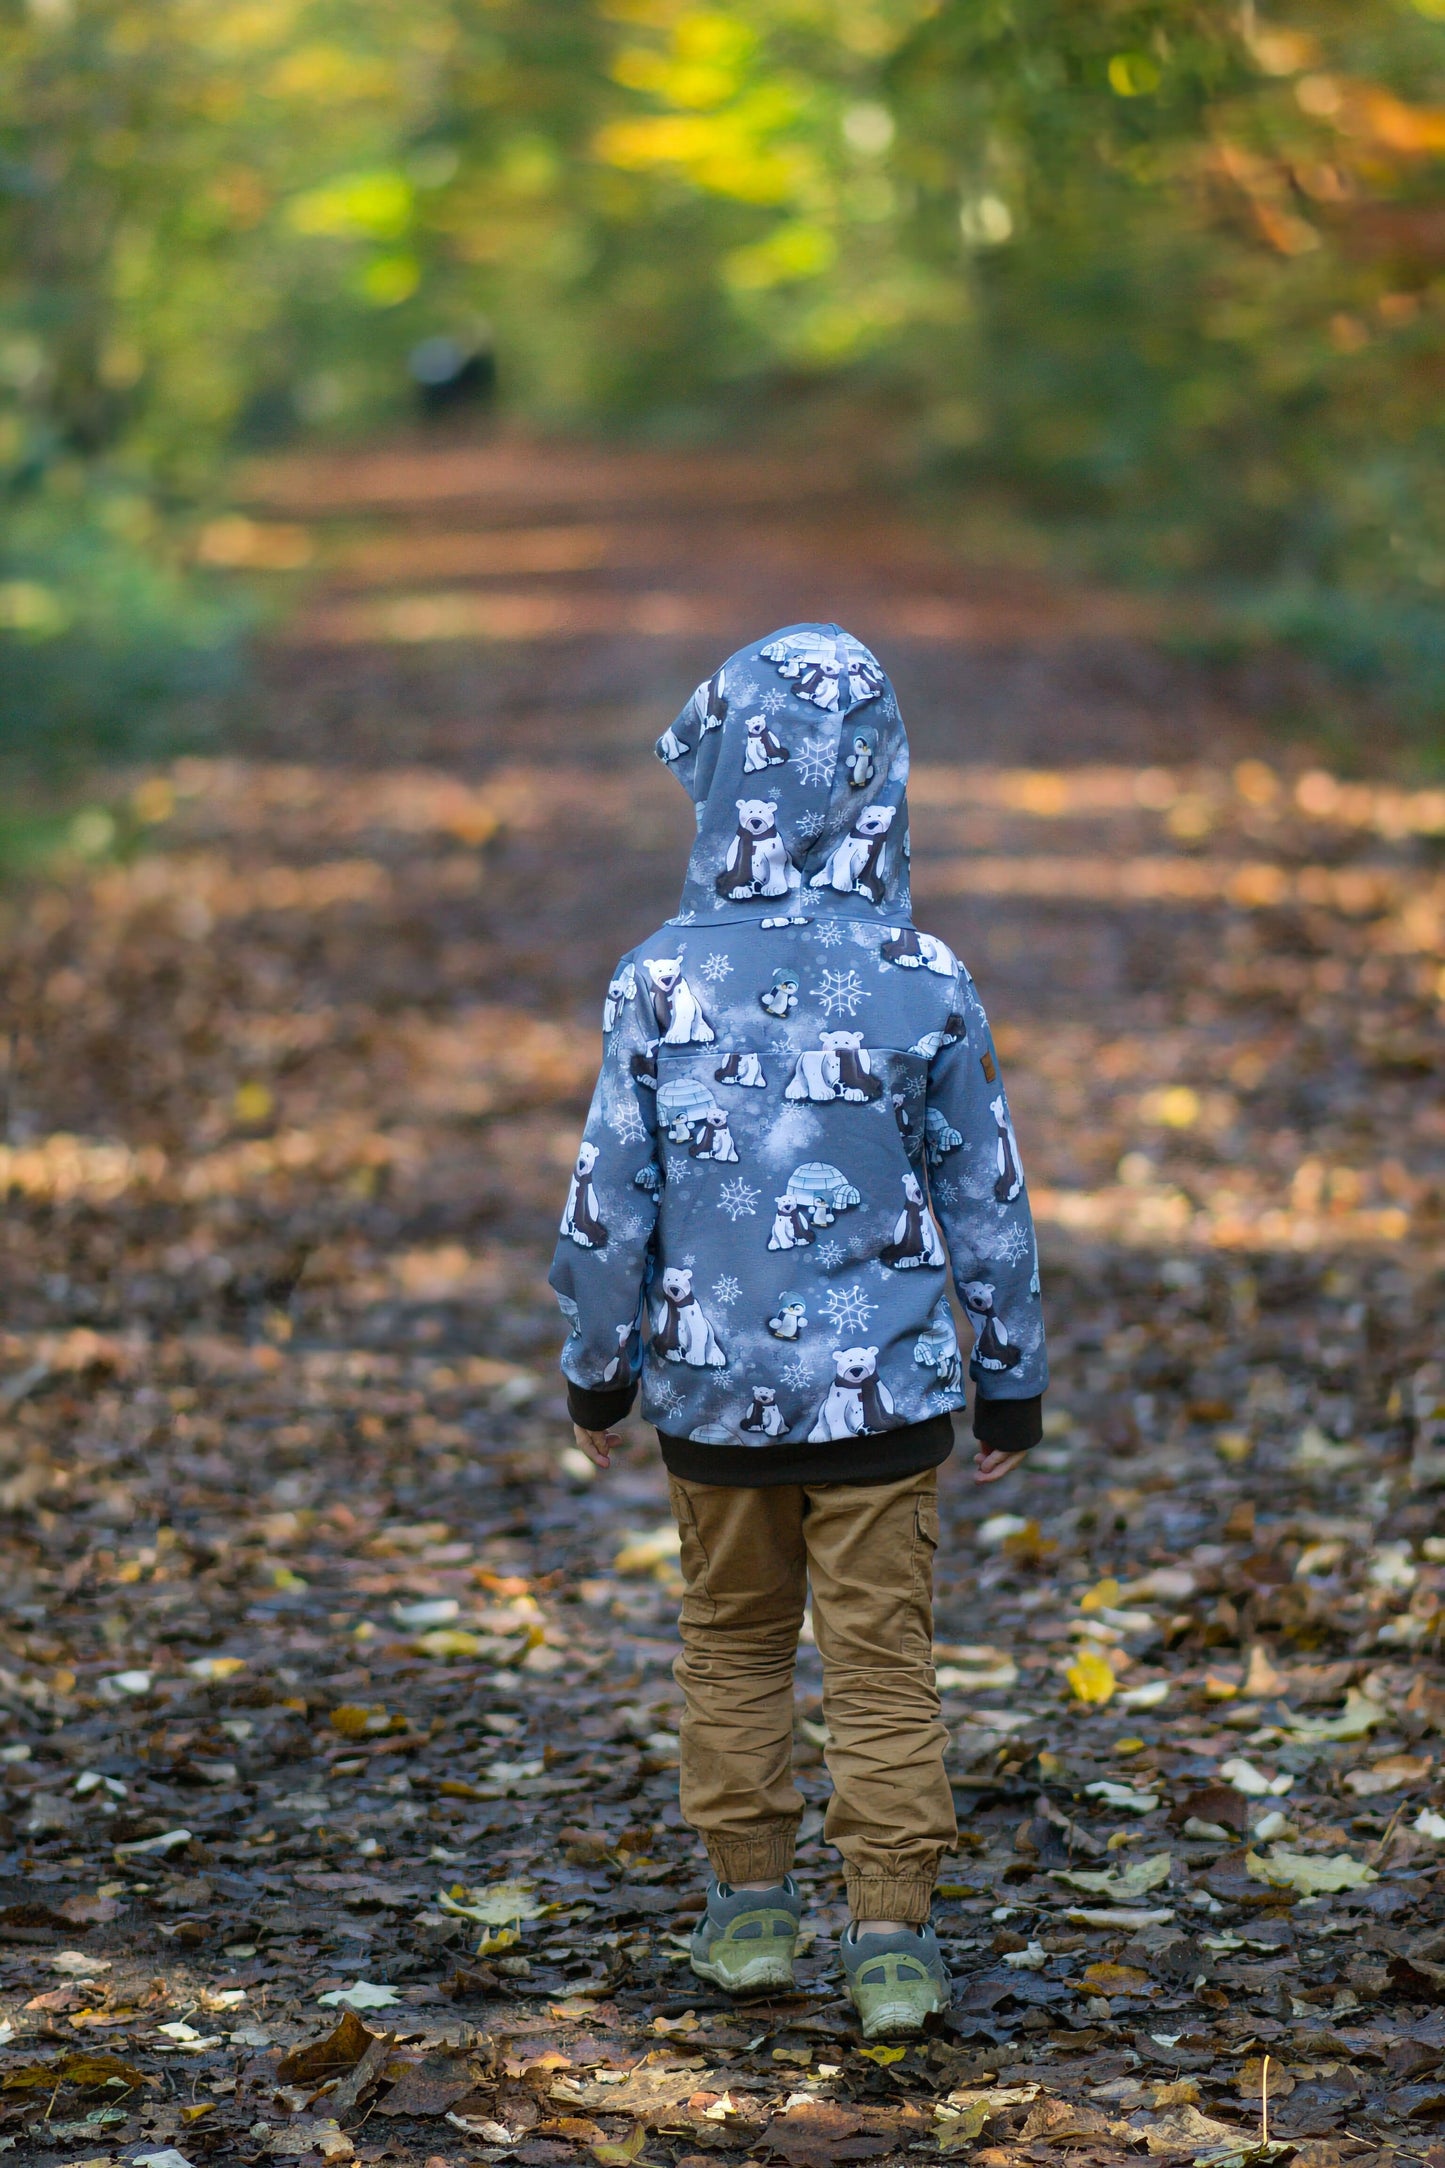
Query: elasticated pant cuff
[
  {"x": 889, "y": 1897},
  {"x": 765, "y": 1854}
]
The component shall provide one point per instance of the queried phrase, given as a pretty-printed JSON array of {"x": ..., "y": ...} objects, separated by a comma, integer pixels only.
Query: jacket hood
[{"x": 795, "y": 757}]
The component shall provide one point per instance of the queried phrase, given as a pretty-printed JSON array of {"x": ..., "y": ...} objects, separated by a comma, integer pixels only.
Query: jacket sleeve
[
  {"x": 976, "y": 1186},
  {"x": 603, "y": 1258}
]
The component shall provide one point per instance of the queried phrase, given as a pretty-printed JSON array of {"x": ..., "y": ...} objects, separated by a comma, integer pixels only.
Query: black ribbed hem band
[
  {"x": 1008, "y": 1426},
  {"x": 879, "y": 1456},
  {"x": 598, "y": 1407}
]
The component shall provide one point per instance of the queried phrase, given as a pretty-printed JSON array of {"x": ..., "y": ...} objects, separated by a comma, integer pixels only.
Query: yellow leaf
[
  {"x": 622, "y": 2156},
  {"x": 1312, "y": 1877},
  {"x": 355, "y": 1722},
  {"x": 1091, "y": 1678},
  {"x": 202, "y": 2107},
  {"x": 1106, "y": 1979},
  {"x": 498, "y": 1904},
  {"x": 961, "y": 2130},
  {"x": 884, "y": 2056},
  {"x": 253, "y": 1103},
  {"x": 1104, "y": 1595},
  {"x": 643, "y": 1553},
  {"x": 448, "y": 1641},
  {"x": 1360, "y": 1716}
]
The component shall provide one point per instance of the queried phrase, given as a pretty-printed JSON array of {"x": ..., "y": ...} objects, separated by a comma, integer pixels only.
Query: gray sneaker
[
  {"x": 896, "y": 1981},
  {"x": 746, "y": 1938}
]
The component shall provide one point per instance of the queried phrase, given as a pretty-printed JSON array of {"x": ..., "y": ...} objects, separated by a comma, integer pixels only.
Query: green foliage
[{"x": 1168, "y": 271}]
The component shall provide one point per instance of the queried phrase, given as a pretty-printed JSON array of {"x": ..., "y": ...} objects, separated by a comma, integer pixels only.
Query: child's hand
[
  {"x": 598, "y": 1445},
  {"x": 988, "y": 1466}
]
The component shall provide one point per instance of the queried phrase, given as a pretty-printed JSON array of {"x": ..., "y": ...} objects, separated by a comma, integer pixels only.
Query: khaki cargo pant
[{"x": 748, "y": 1557}]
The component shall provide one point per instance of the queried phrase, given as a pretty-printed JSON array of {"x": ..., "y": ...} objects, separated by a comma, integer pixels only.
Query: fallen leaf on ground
[{"x": 1312, "y": 1874}]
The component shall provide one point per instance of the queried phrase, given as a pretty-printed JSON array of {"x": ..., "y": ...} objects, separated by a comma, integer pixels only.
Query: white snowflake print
[
  {"x": 840, "y": 993},
  {"x": 848, "y": 1309},
  {"x": 810, "y": 826},
  {"x": 797, "y": 1373},
  {"x": 738, "y": 1199},
  {"x": 829, "y": 934},
  {"x": 830, "y": 1254},
  {"x": 717, "y": 968},
  {"x": 726, "y": 1290},
  {"x": 1012, "y": 1245},
  {"x": 945, "y": 1192},
  {"x": 747, "y": 694},
  {"x": 815, "y": 765},
  {"x": 665, "y": 1395},
  {"x": 627, "y": 1126},
  {"x": 772, "y": 701},
  {"x": 631, "y": 1227}
]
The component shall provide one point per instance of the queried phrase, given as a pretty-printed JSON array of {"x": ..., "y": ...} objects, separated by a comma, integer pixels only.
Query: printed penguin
[
  {"x": 642, "y": 1068},
  {"x": 792, "y": 1229},
  {"x": 915, "y": 1236},
  {"x": 744, "y": 1069},
  {"x": 1010, "y": 1174},
  {"x": 857, "y": 1399},
  {"x": 678, "y": 1011},
  {"x": 992, "y": 1348},
  {"x": 581, "y": 1220},
  {"x": 781, "y": 998},
  {"x": 855, "y": 866},
  {"x": 757, "y": 862},
  {"x": 714, "y": 1138},
  {"x": 764, "y": 1416},
  {"x": 791, "y": 1320},
  {"x": 681, "y": 1333},
  {"x": 859, "y": 764},
  {"x": 764, "y": 748}
]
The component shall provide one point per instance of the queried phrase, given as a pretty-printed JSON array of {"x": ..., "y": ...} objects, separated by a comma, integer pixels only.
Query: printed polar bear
[
  {"x": 621, "y": 991},
  {"x": 764, "y": 1416},
  {"x": 765, "y": 749},
  {"x": 858, "y": 1400},
  {"x": 838, "y": 1069},
  {"x": 581, "y": 1220},
  {"x": 675, "y": 1005},
  {"x": 681, "y": 1333},
  {"x": 757, "y": 862},
  {"x": 917, "y": 951},
  {"x": 856, "y": 864}
]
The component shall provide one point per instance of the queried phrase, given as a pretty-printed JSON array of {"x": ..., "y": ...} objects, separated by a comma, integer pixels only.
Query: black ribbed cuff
[
  {"x": 1008, "y": 1426},
  {"x": 598, "y": 1407}
]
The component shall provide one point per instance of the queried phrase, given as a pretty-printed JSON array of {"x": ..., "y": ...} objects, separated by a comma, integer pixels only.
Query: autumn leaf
[
  {"x": 1091, "y": 1678},
  {"x": 1312, "y": 1874}
]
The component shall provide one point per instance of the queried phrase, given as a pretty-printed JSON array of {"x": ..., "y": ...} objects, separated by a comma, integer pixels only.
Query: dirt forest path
[{"x": 322, "y": 1662}]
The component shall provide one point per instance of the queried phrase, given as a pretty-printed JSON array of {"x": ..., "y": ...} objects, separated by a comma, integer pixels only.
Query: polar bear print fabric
[
  {"x": 855, "y": 867},
  {"x": 581, "y": 1219},
  {"x": 765, "y": 749},
  {"x": 839, "y": 1068},
  {"x": 681, "y": 1333},
  {"x": 800, "y": 1118},
  {"x": 829, "y": 668},
  {"x": 674, "y": 1004},
  {"x": 857, "y": 1401},
  {"x": 757, "y": 863}
]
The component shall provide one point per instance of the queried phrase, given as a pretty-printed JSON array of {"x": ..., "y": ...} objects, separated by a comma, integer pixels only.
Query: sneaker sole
[
  {"x": 766, "y": 1974},
  {"x": 898, "y": 2020}
]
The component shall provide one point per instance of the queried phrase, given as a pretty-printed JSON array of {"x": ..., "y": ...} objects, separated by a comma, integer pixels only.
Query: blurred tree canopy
[{"x": 1169, "y": 270}]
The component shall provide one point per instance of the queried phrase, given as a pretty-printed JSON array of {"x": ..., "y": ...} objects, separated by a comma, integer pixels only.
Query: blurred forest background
[{"x": 1160, "y": 281}]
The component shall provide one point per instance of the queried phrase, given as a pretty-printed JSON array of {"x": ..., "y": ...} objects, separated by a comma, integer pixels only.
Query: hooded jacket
[{"x": 798, "y": 1092}]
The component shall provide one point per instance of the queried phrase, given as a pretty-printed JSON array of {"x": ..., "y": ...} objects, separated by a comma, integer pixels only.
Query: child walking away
[{"x": 783, "y": 1303}]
